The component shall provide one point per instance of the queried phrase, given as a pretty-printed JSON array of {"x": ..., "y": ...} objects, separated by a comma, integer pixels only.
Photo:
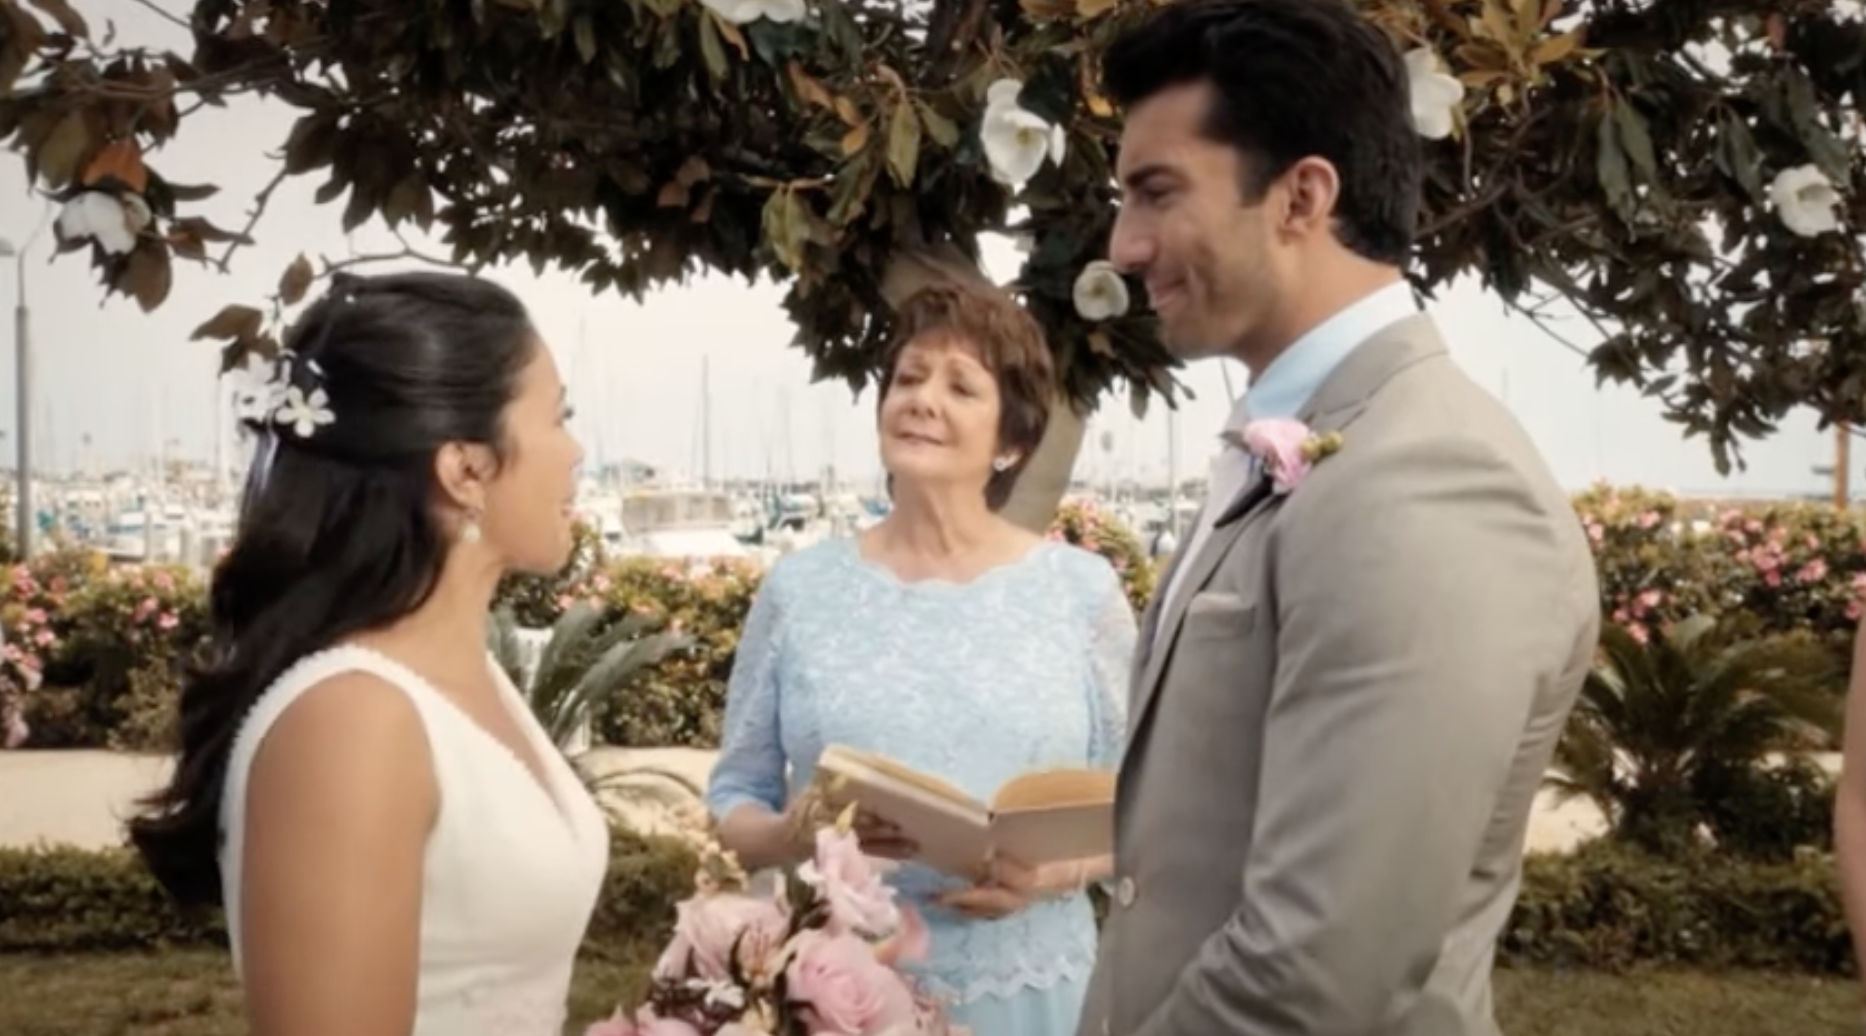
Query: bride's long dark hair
[{"x": 339, "y": 531}]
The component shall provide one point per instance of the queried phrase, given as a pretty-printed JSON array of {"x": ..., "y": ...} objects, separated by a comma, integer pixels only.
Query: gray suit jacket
[{"x": 1338, "y": 731}]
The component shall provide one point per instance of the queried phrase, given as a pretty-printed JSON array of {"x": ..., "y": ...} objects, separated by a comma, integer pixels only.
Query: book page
[
  {"x": 952, "y": 830},
  {"x": 1054, "y": 835},
  {"x": 1048, "y": 788}
]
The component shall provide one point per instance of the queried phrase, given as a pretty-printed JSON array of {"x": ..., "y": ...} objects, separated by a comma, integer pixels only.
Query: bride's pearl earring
[
  {"x": 1001, "y": 464},
  {"x": 469, "y": 530}
]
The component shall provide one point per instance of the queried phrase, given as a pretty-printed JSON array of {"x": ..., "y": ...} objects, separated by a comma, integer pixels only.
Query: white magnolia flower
[
  {"x": 1017, "y": 140},
  {"x": 1436, "y": 97},
  {"x": 740, "y": 12},
  {"x": 1100, "y": 293},
  {"x": 719, "y": 992},
  {"x": 112, "y": 221},
  {"x": 257, "y": 389},
  {"x": 304, "y": 413},
  {"x": 1805, "y": 200}
]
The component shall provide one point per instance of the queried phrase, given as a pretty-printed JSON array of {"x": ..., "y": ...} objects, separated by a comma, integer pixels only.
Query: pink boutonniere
[{"x": 1288, "y": 449}]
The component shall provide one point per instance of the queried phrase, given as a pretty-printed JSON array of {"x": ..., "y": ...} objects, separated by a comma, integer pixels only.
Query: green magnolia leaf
[
  {"x": 903, "y": 143},
  {"x": 1630, "y": 127},
  {"x": 786, "y": 228},
  {"x": 58, "y": 157},
  {"x": 942, "y": 129},
  {"x": 585, "y": 33},
  {"x": 1610, "y": 168},
  {"x": 712, "y": 47}
]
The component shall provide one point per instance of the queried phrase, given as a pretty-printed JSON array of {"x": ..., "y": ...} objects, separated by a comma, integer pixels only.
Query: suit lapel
[
  {"x": 1334, "y": 406},
  {"x": 1165, "y": 623}
]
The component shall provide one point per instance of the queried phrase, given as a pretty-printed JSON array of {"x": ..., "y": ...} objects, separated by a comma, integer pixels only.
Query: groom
[{"x": 1349, "y": 687}]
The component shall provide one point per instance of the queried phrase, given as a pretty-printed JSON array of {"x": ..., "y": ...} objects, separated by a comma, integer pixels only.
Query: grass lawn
[{"x": 192, "y": 993}]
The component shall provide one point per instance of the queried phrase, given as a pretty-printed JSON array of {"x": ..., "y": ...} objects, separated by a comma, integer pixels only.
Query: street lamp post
[{"x": 22, "y": 437}]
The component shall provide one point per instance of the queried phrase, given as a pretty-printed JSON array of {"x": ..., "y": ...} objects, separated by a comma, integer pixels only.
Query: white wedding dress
[{"x": 512, "y": 872}]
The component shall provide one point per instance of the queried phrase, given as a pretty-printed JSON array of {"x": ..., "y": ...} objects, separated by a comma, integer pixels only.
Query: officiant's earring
[{"x": 1001, "y": 465}]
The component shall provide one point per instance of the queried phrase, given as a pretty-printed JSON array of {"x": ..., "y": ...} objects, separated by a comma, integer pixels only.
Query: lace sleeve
[
  {"x": 751, "y": 764},
  {"x": 1112, "y": 637}
]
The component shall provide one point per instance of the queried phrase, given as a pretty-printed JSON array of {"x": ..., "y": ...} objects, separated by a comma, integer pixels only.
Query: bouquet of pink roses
[{"x": 819, "y": 958}]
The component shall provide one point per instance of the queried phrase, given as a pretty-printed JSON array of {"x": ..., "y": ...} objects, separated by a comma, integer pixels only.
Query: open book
[{"x": 1046, "y": 816}]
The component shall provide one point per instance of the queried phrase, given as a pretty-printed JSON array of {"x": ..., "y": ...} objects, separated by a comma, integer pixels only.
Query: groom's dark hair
[{"x": 1290, "y": 79}]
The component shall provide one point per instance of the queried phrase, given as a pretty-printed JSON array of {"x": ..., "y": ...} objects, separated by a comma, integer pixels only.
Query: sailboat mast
[{"x": 706, "y": 422}]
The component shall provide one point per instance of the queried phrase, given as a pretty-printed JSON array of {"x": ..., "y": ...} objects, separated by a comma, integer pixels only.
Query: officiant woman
[{"x": 953, "y": 641}]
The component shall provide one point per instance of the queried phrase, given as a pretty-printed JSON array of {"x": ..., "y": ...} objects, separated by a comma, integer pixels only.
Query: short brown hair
[{"x": 1008, "y": 342}]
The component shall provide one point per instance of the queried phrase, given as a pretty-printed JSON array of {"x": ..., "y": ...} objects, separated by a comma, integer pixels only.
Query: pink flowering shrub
[
  {"x": 1089, "y": 527},
  {"x": 821, "y": 956},
  {"x": 681, "y": 700},
  {"x": 131, "y": 633},
  {"x": 1772, "y": 567},
  {"x": 537, "y": 601}
]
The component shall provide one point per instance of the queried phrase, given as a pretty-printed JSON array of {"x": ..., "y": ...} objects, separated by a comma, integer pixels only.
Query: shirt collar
[{"x": 1284, "y": 387}]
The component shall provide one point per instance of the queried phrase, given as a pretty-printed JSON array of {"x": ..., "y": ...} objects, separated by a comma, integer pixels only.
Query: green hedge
[
  {"x": 63, "y": 900},
  {"x": 1611, "y": 908},
  {"x": 1603, "y": 907}
]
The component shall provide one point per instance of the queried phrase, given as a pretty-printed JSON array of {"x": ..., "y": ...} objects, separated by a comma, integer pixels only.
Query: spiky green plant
[{"x": 1662, "y": 724}]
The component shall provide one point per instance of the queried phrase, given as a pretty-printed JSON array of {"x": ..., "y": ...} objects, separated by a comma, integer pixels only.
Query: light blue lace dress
[{"x": 1021, "y": 668}]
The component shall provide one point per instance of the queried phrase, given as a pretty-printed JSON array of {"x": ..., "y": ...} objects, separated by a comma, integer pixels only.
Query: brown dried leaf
[
  {"x": 693, "y": 170},
  {"x": 149, "y": 275},
  {"x": 855, "y": 140},
  {"x": 233, "y": 321},
  {"x": 1556, "y": 48},
  {"x": 312, "y": 143},
  {"x": 68, "y": 20},
  {"x": 808, "y": 89},
  {"x": 296, "y": 281},
  {"x": 122, "y": 161}
]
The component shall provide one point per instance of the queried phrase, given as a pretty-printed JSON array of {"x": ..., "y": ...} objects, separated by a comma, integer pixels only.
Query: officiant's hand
[
  {"x": 1039, "y": 882},
  {"x": 883, "y": 839},
  {"x": 984, "y": 902}
]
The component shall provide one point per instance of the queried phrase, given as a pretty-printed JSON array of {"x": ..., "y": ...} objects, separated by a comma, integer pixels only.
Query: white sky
[{"x": 131, "y": 381}]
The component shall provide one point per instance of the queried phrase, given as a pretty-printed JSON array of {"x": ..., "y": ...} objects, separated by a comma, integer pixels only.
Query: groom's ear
[{"x": 1311, "y": 188}]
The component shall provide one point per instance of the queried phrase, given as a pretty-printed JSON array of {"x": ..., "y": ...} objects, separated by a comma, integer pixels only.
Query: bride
[{"x": 399, "y": 848}]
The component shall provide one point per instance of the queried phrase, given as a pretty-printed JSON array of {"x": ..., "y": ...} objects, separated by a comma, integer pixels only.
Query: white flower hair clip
[{"x": 273, "y": 391}]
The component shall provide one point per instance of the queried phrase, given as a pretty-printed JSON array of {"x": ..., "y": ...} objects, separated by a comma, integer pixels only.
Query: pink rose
[
  {"x": 706, "y": 927},
  {"x": 645, "y": 1023},
  {"x": 909, "y": 942},
  {"x": 1278, "y": 443},
  {"x": 13, "y": 725},
  {"x": 844, "y": 879},
  {"x": 617, "y": 1024},
  {"x": 848, "y": 991},
  {"x": 650, "y": 1025}
]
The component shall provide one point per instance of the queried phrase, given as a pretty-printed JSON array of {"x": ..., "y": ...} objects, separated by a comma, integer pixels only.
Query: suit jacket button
[{"x": 1124, "y": 892}]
